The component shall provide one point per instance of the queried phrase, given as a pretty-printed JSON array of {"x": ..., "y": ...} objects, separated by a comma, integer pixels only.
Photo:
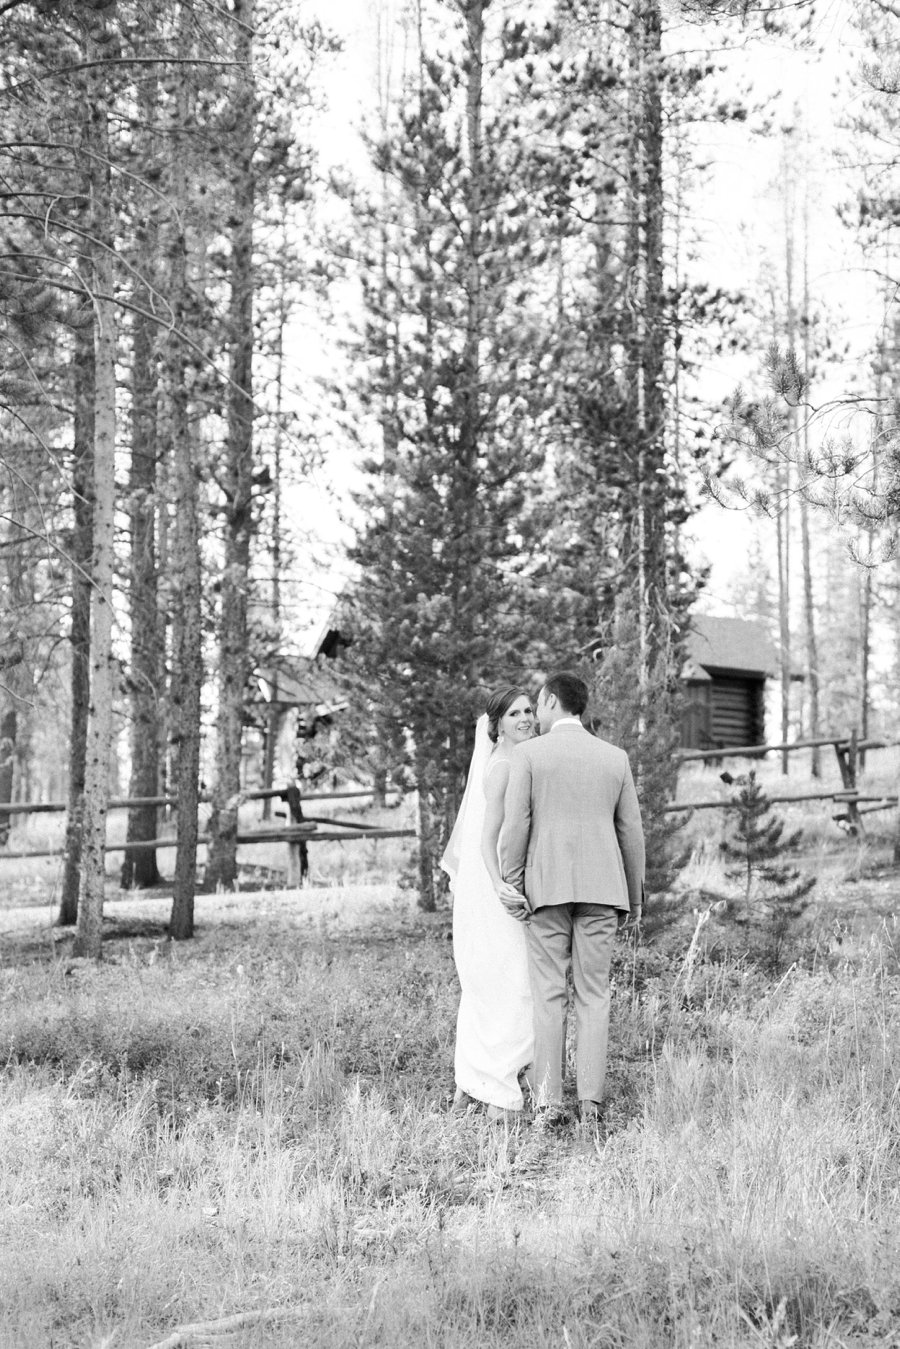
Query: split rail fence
[
  {"x": 854, "y": 803},
  {"x": 306, "y": 829}
]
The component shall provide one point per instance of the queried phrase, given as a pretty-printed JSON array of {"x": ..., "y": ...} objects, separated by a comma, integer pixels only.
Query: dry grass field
[{"x": 254, "y": 1125}]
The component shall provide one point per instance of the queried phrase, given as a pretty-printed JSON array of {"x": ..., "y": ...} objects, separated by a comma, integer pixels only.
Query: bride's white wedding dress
[{"x": 494, "y": 1036}]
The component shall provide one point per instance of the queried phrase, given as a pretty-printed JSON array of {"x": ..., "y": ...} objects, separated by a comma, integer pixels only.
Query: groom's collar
[{"x": 567, "y": 721}]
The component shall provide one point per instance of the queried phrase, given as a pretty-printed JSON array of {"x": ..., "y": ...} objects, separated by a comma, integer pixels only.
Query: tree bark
[
  {"x": 146, "y": 674},
  {"x": 784, "y": 473},
  {"x": 14, "y": 675},
  {"x": 221, "y": 867},
  {"x": 782, "y": 525},
  {"x": 99, "y": 731},
  {"x": 812, "y": 644},
  {"x": 275, "y": 713},
  {"x": 188, "y": 657},
  {"x": 7, "y": 766},
  {"x": 428, "y": 835},
  {"x": 653, "y": 476},
  {"x": 81, "y": 550},
  {"x": 645, "y": 514}
]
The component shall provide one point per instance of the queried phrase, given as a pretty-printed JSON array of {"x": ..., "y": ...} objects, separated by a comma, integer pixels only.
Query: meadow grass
[{"x": 257, "y": 1120}]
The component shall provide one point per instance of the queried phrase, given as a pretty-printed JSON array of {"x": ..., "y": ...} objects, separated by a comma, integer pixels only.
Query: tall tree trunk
[
  {"x": 139, "y": 867},
  {"x": 81, "y": 551},
  {"x": 100, "y": 718},
  {"x": 7, "y": 765},
  {"x": 275, "y": 712},
  {"x": 13, "y": 678},
  {"x": 782, "y": 526},
  {"x": 653, "y": 477},
  {"x": 784, "y": 519},
  {"x": 391, "y": 371},
  {"x": 812, "y": 644},
  {"x": 462, "y": 561},
  {"x": 809, "y": 608},
  {"x": 187, "y": 678},
  {"x": 233, "y": 640},
  {"x": 644, "y": 316},
  {"x": 188, "y": 658},
  {"x": 867, "y": 603},
  {"x": 428, "y": 834},
  {"x": 10, "y": 661}
]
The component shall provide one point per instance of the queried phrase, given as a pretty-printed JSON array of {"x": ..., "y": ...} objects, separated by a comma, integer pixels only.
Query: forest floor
[{"x": 251, "y": 1130}]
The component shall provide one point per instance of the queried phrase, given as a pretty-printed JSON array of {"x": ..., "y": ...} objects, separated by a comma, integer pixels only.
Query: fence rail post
[{"x": 848, "y": 758}]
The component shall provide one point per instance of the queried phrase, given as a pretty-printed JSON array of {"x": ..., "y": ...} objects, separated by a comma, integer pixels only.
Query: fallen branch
[{"x": 198, "y": 1330}]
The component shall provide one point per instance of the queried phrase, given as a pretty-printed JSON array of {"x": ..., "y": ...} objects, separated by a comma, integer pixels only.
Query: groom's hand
[{"x": 630, "y": 924}]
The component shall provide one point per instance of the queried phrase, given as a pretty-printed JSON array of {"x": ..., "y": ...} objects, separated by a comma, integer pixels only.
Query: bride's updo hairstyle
[{"x": 499, "y": 703}]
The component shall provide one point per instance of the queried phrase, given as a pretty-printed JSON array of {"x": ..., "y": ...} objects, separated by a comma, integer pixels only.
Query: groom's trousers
[{"x": 583, "y": 933}]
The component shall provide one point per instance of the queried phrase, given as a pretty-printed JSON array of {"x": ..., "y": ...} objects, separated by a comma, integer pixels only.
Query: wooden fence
[
  {"x": 306, "y": 828},
  {"x": 847, "y": 749}
]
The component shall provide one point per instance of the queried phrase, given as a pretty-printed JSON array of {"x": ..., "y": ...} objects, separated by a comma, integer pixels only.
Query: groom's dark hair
[{"x": 569, "y": 691}]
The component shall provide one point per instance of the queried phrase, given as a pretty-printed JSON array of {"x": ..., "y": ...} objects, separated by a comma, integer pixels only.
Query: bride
[{"x": 494, "y": 1038}]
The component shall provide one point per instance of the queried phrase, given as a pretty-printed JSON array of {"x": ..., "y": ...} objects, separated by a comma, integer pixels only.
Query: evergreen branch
[
  {"x": 131, "y": 307},
  {"x": 238, "y": 23},
  {"x": 17, "y": 195},
  {"x": 50, "y": 453},
  {"x": 14, "y": 472},
  {"x": 105, "y": 160},
  {"x": 120, "y": 61},
  {"x": 48, "y": 542},
  {"x": 89, "y": 238}
]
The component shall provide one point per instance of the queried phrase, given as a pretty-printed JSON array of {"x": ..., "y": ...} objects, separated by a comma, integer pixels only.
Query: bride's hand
[{"x": 512, "y": 900}]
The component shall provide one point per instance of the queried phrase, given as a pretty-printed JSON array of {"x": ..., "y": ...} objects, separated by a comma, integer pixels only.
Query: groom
[{"x": 572, "y": 853}]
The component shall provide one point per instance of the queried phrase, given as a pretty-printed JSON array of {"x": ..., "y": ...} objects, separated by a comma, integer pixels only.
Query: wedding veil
[{"x": 470, "y": 819}]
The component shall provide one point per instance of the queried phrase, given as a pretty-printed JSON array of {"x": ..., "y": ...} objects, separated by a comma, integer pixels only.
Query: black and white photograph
[{"x": 449, "y": 674}]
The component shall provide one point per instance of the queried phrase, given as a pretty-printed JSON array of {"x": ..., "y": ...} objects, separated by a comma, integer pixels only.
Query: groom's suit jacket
[{"x": 572, "y": 825}]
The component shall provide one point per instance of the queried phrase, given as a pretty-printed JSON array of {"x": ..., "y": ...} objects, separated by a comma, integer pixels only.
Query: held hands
[
  {"x": 630, "y": 924},
  {"x": 513, "y": 901}
]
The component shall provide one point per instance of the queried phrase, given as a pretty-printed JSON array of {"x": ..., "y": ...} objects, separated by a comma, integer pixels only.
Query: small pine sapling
[{"x": 771, "y": 893}]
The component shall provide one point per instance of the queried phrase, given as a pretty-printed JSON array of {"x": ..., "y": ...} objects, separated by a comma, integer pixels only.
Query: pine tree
[
  {"x": 98, "y": 173},
  {"x": 145, "y": 680},
  {"x": 771, "y": 894},
  {"x": 179, "y": 371},
  {"x": 80, "y": 552},
  {"x": 455, "y": 383}
]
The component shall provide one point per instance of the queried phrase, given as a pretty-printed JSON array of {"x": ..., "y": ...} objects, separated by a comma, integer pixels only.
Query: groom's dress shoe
[
  {"x": 550, "y": 1119},
  {"x": 498, "y": 1115}
]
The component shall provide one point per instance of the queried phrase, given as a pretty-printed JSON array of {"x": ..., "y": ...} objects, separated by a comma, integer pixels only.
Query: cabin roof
[
  {"x": 300, "y": 683},
  {"x": 741, "y": 645},
  {"x": 305, "y": 680}
]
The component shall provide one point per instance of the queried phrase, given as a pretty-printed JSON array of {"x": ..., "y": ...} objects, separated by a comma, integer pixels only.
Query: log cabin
[{"x": 728, "y": 663}]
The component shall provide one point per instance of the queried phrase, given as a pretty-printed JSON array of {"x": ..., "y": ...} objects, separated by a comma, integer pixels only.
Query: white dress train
[{"x": 494, "y": 1035}]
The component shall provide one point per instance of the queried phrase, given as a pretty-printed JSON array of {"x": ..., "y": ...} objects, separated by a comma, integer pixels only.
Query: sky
[{"x": 735, "y": 216}]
